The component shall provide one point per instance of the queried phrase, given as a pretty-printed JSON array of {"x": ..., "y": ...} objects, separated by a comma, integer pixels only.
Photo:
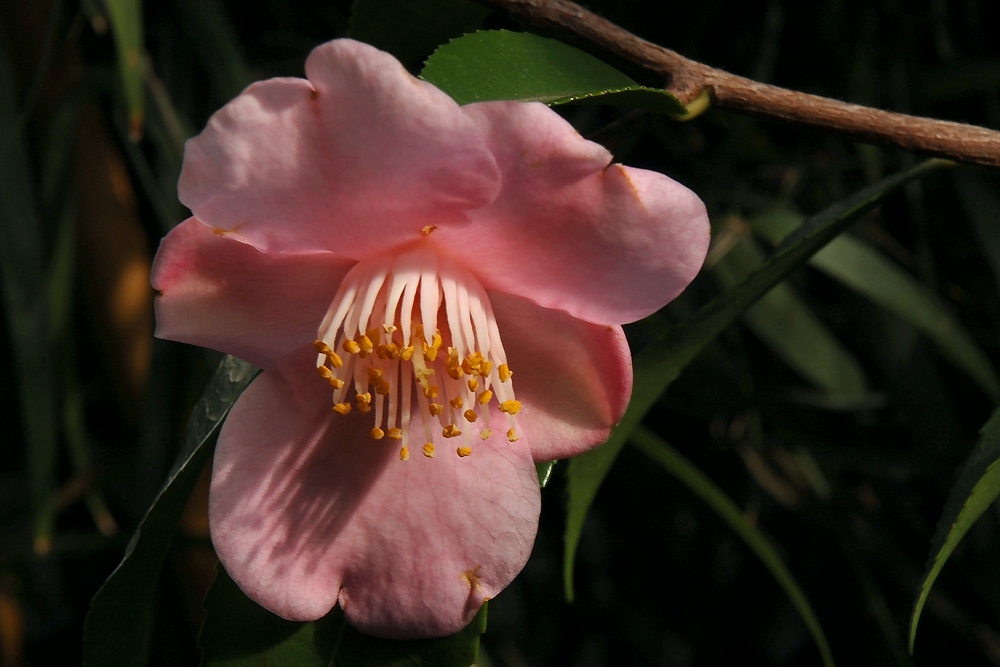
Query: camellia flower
[{"x": 434, "y": 294}]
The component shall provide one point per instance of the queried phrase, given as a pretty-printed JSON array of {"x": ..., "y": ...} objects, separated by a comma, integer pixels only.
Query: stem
[{"x": 687, "y": 79}]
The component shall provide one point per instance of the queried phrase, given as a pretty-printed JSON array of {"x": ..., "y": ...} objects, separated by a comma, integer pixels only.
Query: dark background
[{"x": 660, "y": 579}]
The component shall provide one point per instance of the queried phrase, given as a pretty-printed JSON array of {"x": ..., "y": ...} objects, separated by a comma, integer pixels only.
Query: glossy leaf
[
  {"x": 977, "y": 487},
  {"x": 126, "y": 25},
  {"x": 788, "y": 326},
  {"x": 503, "y": 65},
  {"x": 412, "y": 29},
  {"x": 659, "y": 364},
  {"x": 116, "y": 630},
  {"x": 865, "y": 270},
  {"x": 239, "y": 633},
  {"x": 694, "y": 479},
  {"x": 26, "y": 308}
]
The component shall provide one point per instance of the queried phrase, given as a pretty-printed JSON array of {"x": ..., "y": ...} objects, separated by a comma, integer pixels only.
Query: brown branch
[{"x": 688, "y": 79}]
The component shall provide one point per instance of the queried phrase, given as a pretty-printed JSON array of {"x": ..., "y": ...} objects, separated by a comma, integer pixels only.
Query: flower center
[{"x": 416, "y": 327}]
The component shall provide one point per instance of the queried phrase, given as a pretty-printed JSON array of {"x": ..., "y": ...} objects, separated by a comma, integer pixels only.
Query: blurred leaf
[
  {"x": 703, "y": 487},
  {"x": 116, "y": 630},
  {"x": 126, "y": 24},
  {"x": 787, "y": 325},
  {"x": 660, "y": 362},
  {"x": 978, "y": 485},
  {"x": 22, "y": 258},
  {"x": 544, "y": 471},
  {"x": 503, "y": 65},
  {"x": 411, "y": 29},
  {"x": 218, "y": 46},
  {"x": 862, "y": 268},
  {"x": 982, "y": 204},
  {"x": 239, "y": 633}
]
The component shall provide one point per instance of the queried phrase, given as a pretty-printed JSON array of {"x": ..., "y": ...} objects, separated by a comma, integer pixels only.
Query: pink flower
[{"x": 456, "y": 275}]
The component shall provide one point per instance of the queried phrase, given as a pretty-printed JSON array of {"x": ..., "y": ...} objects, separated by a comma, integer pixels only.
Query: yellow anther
[
  {"x": 512, "y": 435},
  {"x": 510, "y": 407},
  {"x": 324, "y": 372},
  {"x": 471, "y": 416},
  {"x": 485, "y": 397},
  {"x": 485, "y": 433},
  {"x": 431, "y": 391},
  {"x": 505, "y": 372},
  {"x": 463, "y": 451},
  {"x": 422, "y": 374},
  {"x": 378, "y": 433},
  {"x": 473, "y": 363},
  {"x": 375, "y": 374},
  {"x": 334, "y": 359},
  {"x": 455, "y": 372},
  {"x": 451, "y": 431},
  {"x": 364, "y": 402},
  {"x": 407, "y": 353},
  {"x": 456, "y": 402},
  {"x": 395, "y": 433},
  {"x": 404, "y": 454},
  {"x": 382, "y": 387},
  {"x": 473, "y": 384},
  {"x": 365, "y": 344},
  {"x": 336, "y": 383},
  {"x": 426, "y": 230},
  {"x": 321, "y": 347},
  {"x": 429, "y": 450},
  {"x": 435, "y": 409},
  {"x": 381, "y": 352},
  {"x": 351, "y": 347},
  {"x": 436, "y": 340},
  {"x": 342, "y": 408},
  {"x": 485, "y": 368},
  {"x": 431, "y": 353},
  {"x": 389, "y": 328},
  {"x": 391, "y": 350}
]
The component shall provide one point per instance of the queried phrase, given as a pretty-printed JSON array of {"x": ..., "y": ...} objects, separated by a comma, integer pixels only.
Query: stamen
[{"x": 382, "y": 318}]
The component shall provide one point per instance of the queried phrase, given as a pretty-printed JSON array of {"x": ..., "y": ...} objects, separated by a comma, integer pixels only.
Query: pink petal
[
  {"x": 605, "y": 243},
  {"x": 573, "y": 378},
  {"x": 306, "y": 509},
  {"x": 354, "y": 160},
  {"x": 221, "y": 293}
]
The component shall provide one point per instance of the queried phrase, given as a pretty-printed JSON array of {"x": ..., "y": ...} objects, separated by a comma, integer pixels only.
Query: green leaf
[
  {"x": 660, "y": 363},
  {"x": 503, "y": 65},
  {"x": 25, "y": 303},
  {"x": 411, "y": 29},
  {"x": 703, "y": 487},
  {"x": 865, "y": 270},
  {"x": 977, "y": 487},
  {"x": 126, "y": 25},
  {"x": 239, "y": 633},
  {"x": 544, "y": 471},
  {"x": 116, "y": 630},
  {"x": 788, "y": 326},
  {"x": 218, "y": 46},
  {"x": 982, "y": 205}
]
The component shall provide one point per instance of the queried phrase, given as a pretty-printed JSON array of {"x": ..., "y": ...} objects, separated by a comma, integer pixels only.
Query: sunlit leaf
[
  {"x": 239, "y": 633},
  {"x": 865, "y": 270},
  {"x": 126, "y": 25},
  {"x": 503, "y": 65},
  {"x": 660, "y": 363},
  {"x": 693, "y": 478},
  {"x": 788, "y": 326},
  {"x": 25, "y": 305},
  {"x": 116, "y": 631},
  {"x": 544, "y": 471},
  {"x": 977, "y": 487},
  {"x": 411, "y": 29}
]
